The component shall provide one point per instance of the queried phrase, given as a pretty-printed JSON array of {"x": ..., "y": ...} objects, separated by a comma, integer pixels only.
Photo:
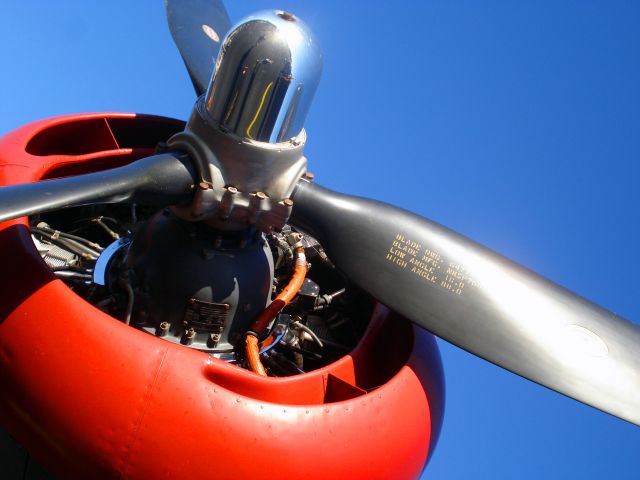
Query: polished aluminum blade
[
  {"x": 478, "y": 300},
  {"x": 160, "y": 180},
  {"x": 197, "y": 28}
]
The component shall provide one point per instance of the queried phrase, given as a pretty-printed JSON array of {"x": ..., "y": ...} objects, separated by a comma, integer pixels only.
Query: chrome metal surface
[
  {"x": 265, "y": 77},
  {"x": 102, "y": 264}
]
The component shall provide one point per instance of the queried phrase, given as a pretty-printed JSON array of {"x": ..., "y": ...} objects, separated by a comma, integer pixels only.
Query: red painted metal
[{"x": 93, "y": 398}]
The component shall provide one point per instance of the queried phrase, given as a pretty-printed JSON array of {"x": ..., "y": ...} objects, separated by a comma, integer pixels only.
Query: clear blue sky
[{"x": 515, "y": 123}]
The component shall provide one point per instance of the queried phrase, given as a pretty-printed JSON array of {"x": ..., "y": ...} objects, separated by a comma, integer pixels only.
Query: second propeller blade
[
  {"x": 478, "y": 300},
  {"x": 198, "y": 27}
]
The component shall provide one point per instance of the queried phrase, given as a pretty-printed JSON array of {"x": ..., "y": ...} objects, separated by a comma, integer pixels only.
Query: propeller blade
[
  {"x": 160, "y": 180},
  {"x": 478, "y": 300},
  {"x": 197, "y": 28}
]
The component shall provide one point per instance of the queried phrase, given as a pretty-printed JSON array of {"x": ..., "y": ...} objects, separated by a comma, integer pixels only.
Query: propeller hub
[
  {"x": 265, "y": 77},
  {"x": 245, "y": 135}
]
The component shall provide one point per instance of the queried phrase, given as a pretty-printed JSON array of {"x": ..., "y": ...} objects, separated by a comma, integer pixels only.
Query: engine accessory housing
[{"x": 195, "y": 285}]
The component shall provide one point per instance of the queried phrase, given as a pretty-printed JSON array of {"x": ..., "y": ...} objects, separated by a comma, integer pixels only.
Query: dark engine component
[
  {"x": 189, "y": 283},
  {"x": 197, "y": 286}
]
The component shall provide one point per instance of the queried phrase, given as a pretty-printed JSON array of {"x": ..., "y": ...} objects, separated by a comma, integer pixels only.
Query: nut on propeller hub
[{"x": 246, "y": 132}]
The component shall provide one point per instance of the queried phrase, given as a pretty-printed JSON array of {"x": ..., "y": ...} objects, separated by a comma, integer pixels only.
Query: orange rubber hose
[
  {"x": 253, "y": 355},
  {"x": 262, "y": 321}
]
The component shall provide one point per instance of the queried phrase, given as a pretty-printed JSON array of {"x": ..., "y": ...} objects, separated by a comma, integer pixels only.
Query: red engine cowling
[{"x": 91, "y": 397}]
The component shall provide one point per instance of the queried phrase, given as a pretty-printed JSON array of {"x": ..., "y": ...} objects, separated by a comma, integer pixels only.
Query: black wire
[{"x": 51, "y": 231}]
